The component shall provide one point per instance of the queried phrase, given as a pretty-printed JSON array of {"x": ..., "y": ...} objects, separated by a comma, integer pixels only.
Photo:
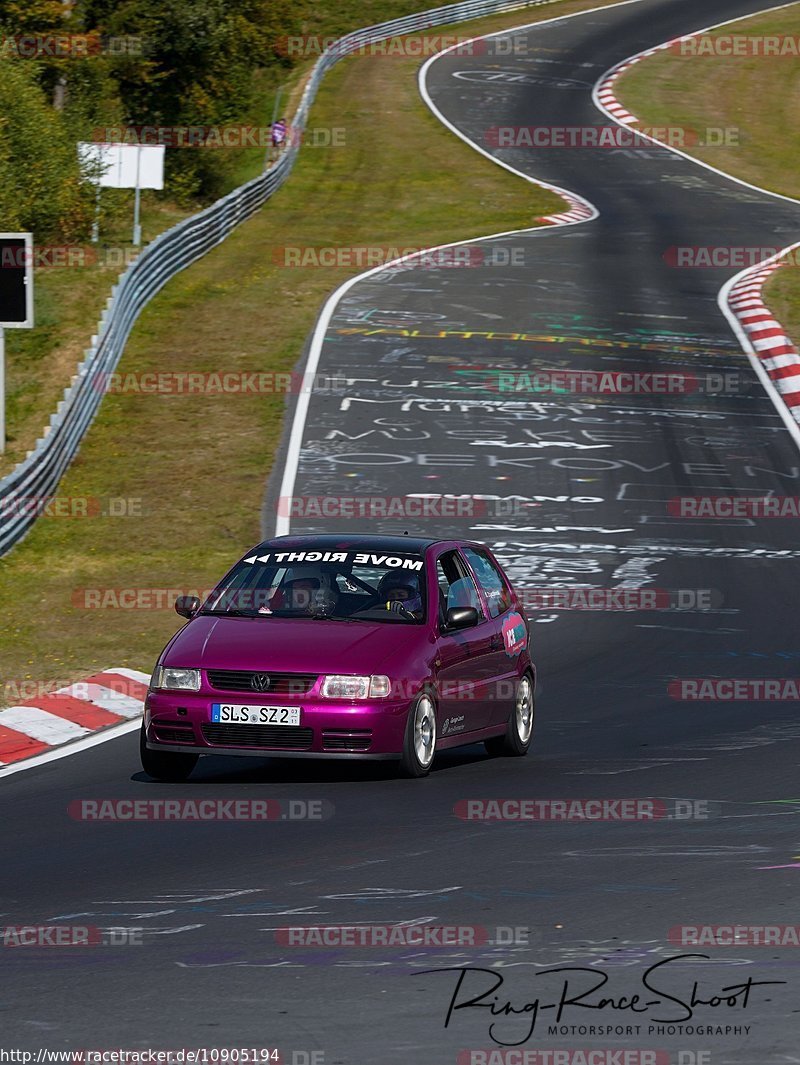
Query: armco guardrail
[{"x": 38, "y": 476}]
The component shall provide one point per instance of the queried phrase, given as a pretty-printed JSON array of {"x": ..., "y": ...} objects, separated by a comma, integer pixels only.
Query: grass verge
[
  {"x": 194, "y": 467},
  {"x": 40, "y": 362}
]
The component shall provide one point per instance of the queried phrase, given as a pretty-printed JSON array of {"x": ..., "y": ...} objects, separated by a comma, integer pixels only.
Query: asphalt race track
[{"x": 423, "y": 417}]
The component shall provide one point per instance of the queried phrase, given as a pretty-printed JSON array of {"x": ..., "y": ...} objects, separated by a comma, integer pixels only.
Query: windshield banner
[{"x": 358, "y": 558}]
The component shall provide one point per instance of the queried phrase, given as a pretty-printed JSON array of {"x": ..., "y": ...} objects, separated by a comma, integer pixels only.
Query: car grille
[
  {"x": 173, "y": 733},
  {"x": 266, "y": 736},
  {"x": 239, "y": 680},
  {"x": 339, "y": 740}
]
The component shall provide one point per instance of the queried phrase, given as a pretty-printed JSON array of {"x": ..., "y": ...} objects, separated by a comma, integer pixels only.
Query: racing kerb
[
  {"x": 172, "y": 251},
  {"x": 771, "y": 353}
]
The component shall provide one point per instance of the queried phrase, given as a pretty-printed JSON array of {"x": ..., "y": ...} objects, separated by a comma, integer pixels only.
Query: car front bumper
[{"x": 181, "y": 722}]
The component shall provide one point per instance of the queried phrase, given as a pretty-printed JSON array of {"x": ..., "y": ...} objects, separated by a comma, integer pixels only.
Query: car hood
[{"x": 288, "y": 645}]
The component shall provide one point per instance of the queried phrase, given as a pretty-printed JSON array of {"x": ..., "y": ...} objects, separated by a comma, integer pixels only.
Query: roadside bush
[{"x": 40, "y": 179}]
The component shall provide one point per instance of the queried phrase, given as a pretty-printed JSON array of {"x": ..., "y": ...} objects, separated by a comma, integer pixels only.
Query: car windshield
[{"x": 366, "y": 585}]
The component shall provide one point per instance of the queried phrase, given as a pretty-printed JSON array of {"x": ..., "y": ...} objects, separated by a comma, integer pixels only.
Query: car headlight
[
  {"x": 172, "y": 679},
  {"x": 341, "y": 686}
]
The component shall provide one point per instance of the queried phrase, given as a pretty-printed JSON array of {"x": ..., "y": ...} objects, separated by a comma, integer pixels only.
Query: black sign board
[{"x": 16, "y": 280}]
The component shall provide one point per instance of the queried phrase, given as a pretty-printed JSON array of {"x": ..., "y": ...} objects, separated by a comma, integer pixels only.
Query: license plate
[{"x": 236, "y": 714}]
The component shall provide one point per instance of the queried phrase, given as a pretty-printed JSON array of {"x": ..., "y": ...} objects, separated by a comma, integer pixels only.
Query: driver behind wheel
[{"x": 401, "y": 593}]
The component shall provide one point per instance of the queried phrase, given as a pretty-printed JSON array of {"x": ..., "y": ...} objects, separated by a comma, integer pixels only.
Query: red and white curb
[
  {"x": 105, "y": 699},
  {"x": 775, "y": 350},
  {"x": 579, "y": 211},
  {"x": 605, "y": 89},
  {"x": 771, "y": 352}
]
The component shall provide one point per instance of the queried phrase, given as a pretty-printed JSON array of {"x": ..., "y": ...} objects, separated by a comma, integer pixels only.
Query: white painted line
[
  {"x": 614, "y": 71},
  {"x": 761, "y": 270},
  {"x": 67, "y": 749},
  {"x": 301, "y": 409},
  {"x": 722, "y": 301},
  {"x": 283, "y": 522},
  {"x": 574, "y": 201},
  {"x": 39, "y": 725}
]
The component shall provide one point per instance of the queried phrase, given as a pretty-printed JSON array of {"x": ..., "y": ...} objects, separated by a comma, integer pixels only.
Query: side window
[
  {"x": 491, "y": 581},
  {"x": 456, "y": 586}
]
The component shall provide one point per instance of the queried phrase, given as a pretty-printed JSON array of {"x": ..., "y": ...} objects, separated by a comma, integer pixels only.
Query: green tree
[
  {"x": 197, "y": 67},
  {"x": 40, "y": 180}
]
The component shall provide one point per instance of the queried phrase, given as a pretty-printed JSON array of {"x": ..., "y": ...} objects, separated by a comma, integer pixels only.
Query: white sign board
[{"x": 124, "y": 166}]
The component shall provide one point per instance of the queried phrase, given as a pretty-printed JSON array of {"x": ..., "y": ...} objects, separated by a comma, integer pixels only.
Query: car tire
[
  {"x": 419, "y": 746},
  {"x": 516, "y": 740},
  {"x": 165, "y": 765}
]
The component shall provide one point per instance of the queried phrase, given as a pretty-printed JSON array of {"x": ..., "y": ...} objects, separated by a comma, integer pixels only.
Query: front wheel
[
  {"x": 519, "y": 731},
  {"x": 419, "y": 746},
  {"x": 165, "y": 765}
]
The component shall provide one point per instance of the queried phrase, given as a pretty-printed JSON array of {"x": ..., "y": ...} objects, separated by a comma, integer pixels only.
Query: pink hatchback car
[{"x": 345, "y": 647}]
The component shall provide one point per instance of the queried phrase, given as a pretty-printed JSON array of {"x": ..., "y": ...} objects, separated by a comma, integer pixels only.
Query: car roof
[{"x": 341, "y": 541}]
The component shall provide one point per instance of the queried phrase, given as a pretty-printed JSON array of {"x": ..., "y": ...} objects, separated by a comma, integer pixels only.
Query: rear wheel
[
  {"x": 519, "y": 731},
  {"x": 419, "y": 747},
  {"x": 165, "y": 765}
]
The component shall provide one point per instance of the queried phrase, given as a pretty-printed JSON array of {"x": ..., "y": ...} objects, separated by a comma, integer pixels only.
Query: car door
[
  {"x": 509, "y": 629},
  {"x": 464, "y": 658}
]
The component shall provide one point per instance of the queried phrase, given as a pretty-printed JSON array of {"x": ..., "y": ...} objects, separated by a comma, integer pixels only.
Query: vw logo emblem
[{"x": 260, "y": 682}]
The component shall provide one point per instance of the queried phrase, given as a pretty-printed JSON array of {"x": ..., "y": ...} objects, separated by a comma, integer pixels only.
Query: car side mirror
[
  {"x": 461, "y": 617},
  {"x": 187, "y": 605}
]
